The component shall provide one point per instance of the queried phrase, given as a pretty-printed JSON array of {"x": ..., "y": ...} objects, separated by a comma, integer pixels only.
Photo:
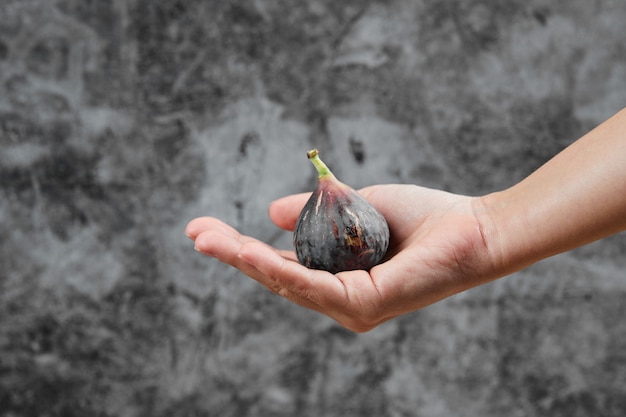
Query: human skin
[{"x": 444, "y": 243}]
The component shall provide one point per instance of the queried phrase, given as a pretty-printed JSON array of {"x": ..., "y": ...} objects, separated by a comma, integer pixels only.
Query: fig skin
[{"x": 338, "y": 230}]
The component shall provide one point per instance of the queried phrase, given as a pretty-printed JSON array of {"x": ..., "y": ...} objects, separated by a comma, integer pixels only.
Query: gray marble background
[{"x": 122, "y": 120}]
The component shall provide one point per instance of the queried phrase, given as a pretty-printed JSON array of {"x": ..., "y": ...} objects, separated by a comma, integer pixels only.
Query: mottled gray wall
[{"x": 121, "y": 120}]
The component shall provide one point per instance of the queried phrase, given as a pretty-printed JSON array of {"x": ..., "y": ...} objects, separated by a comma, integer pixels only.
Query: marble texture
[{"x": 121, "y": 120}]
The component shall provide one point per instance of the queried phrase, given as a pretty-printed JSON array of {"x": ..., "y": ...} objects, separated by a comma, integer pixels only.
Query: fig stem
[{"x": 320, "y": 166}]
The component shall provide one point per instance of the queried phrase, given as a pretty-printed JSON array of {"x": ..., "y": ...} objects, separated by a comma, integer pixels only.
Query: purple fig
[{"x": 338, "y": 230}]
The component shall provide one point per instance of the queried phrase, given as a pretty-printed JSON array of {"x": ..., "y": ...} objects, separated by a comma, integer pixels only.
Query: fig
[{"x": 338, "y": 230}]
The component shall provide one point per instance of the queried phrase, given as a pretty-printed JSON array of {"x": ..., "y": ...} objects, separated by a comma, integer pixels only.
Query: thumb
[{"x": 285, "y": 211}]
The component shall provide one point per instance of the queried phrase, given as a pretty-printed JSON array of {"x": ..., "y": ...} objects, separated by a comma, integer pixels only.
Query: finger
[
  {"x": 242, "y": 253},
  {"x": 217, "y": 239},
  {"x": 348, "y": 297},
  {"x": 337, "y": 296},
  {"x": 285, "y": 211},
  {"x": 296, "y": 282},
  {"x": 201, "y": 224}
]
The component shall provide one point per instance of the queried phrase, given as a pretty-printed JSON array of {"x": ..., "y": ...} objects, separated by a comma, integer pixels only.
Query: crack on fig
[{"x": 353, "y": 235}]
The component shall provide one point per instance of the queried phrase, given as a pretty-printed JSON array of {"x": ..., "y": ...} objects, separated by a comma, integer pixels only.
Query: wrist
[
  {"x": 504, "y": 233},
  {"x": 575, "y": 198}
]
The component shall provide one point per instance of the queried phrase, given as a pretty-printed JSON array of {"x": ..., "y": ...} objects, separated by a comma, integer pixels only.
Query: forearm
[{"x": 577, "y": 197}]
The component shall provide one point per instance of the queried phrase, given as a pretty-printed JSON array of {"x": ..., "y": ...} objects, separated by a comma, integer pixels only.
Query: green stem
[{"x": 320, "y": 166}]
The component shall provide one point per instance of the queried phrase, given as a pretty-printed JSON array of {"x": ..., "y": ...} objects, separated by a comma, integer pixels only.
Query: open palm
[{"x": 437, "y": 249}]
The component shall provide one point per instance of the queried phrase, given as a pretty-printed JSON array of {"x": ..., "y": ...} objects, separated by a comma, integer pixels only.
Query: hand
[
  {"x": 443, "y": 243},
  {"x": 437, "y": 249}
]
